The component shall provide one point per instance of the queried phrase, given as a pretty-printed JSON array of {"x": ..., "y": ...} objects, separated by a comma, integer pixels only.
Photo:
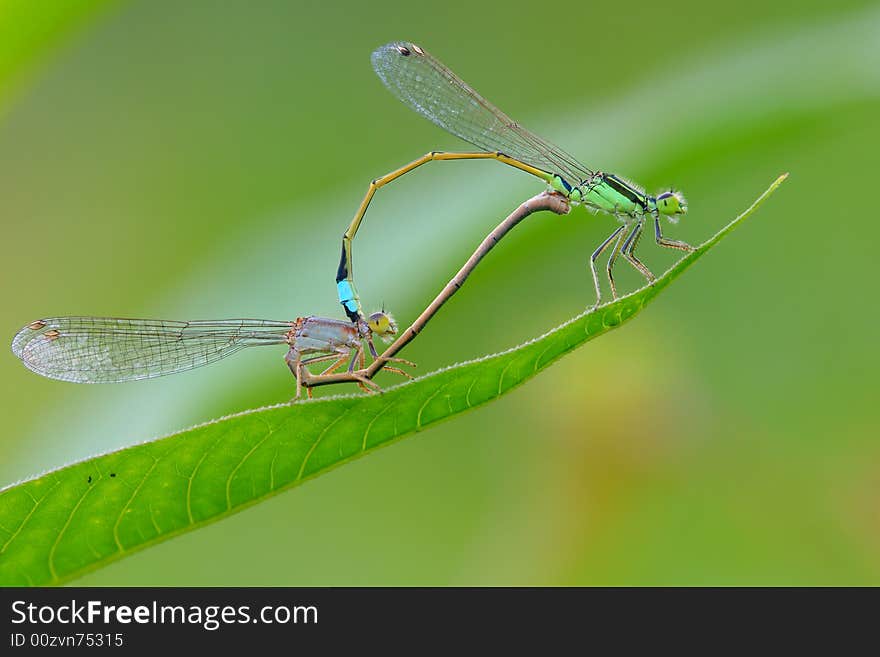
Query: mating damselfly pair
[{"x": 102, "y": 349}]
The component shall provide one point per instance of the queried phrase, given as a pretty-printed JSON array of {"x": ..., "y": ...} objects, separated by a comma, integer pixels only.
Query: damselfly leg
[
  {"x": 668, "y": 243},
  {"x": 344, "y": 341},
  {"x": 609, "y": 266},
  {"x": 628, "y": 250},
  {"x": 618, "y": 235}
]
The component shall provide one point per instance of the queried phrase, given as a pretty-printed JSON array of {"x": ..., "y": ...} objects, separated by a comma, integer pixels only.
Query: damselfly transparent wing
[
  {"x": 426, "y": 85},
  {"x": 110, "y": 349}
]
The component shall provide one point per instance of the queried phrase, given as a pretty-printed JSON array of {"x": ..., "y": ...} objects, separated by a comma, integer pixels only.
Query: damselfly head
[
  {"x": 382, "y": 324},
  {"x": 672, "y": 204}
]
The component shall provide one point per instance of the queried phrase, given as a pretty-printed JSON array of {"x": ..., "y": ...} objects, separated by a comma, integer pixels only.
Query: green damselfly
[{"x": 423, "y": 83}]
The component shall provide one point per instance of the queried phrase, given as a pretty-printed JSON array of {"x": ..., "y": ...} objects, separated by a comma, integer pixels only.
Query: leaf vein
[
  {"x": 370, "y": 425},
  {"x": 28, "y": 516},
  {"x": 314, "y": 446},
  {"x": 52, "y": 572},
  {"x": 269, "y": 432},
  {"x": 128, "y": 503}
]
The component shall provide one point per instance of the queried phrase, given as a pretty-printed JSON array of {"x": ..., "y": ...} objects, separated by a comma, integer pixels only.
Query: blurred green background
[{"x": 201, "y": 159}]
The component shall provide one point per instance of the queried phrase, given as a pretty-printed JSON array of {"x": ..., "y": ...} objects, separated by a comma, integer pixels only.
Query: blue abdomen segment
[
  {"x": 348, "y": 298},
  {"x": 345, "y": 291}
]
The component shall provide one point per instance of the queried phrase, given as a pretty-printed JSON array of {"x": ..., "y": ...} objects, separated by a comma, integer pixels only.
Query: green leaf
[{"x": 83, "y": 516}]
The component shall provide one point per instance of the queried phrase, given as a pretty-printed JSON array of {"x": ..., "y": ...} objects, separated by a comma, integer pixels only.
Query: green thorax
[{"x": 608, "y": 193}]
